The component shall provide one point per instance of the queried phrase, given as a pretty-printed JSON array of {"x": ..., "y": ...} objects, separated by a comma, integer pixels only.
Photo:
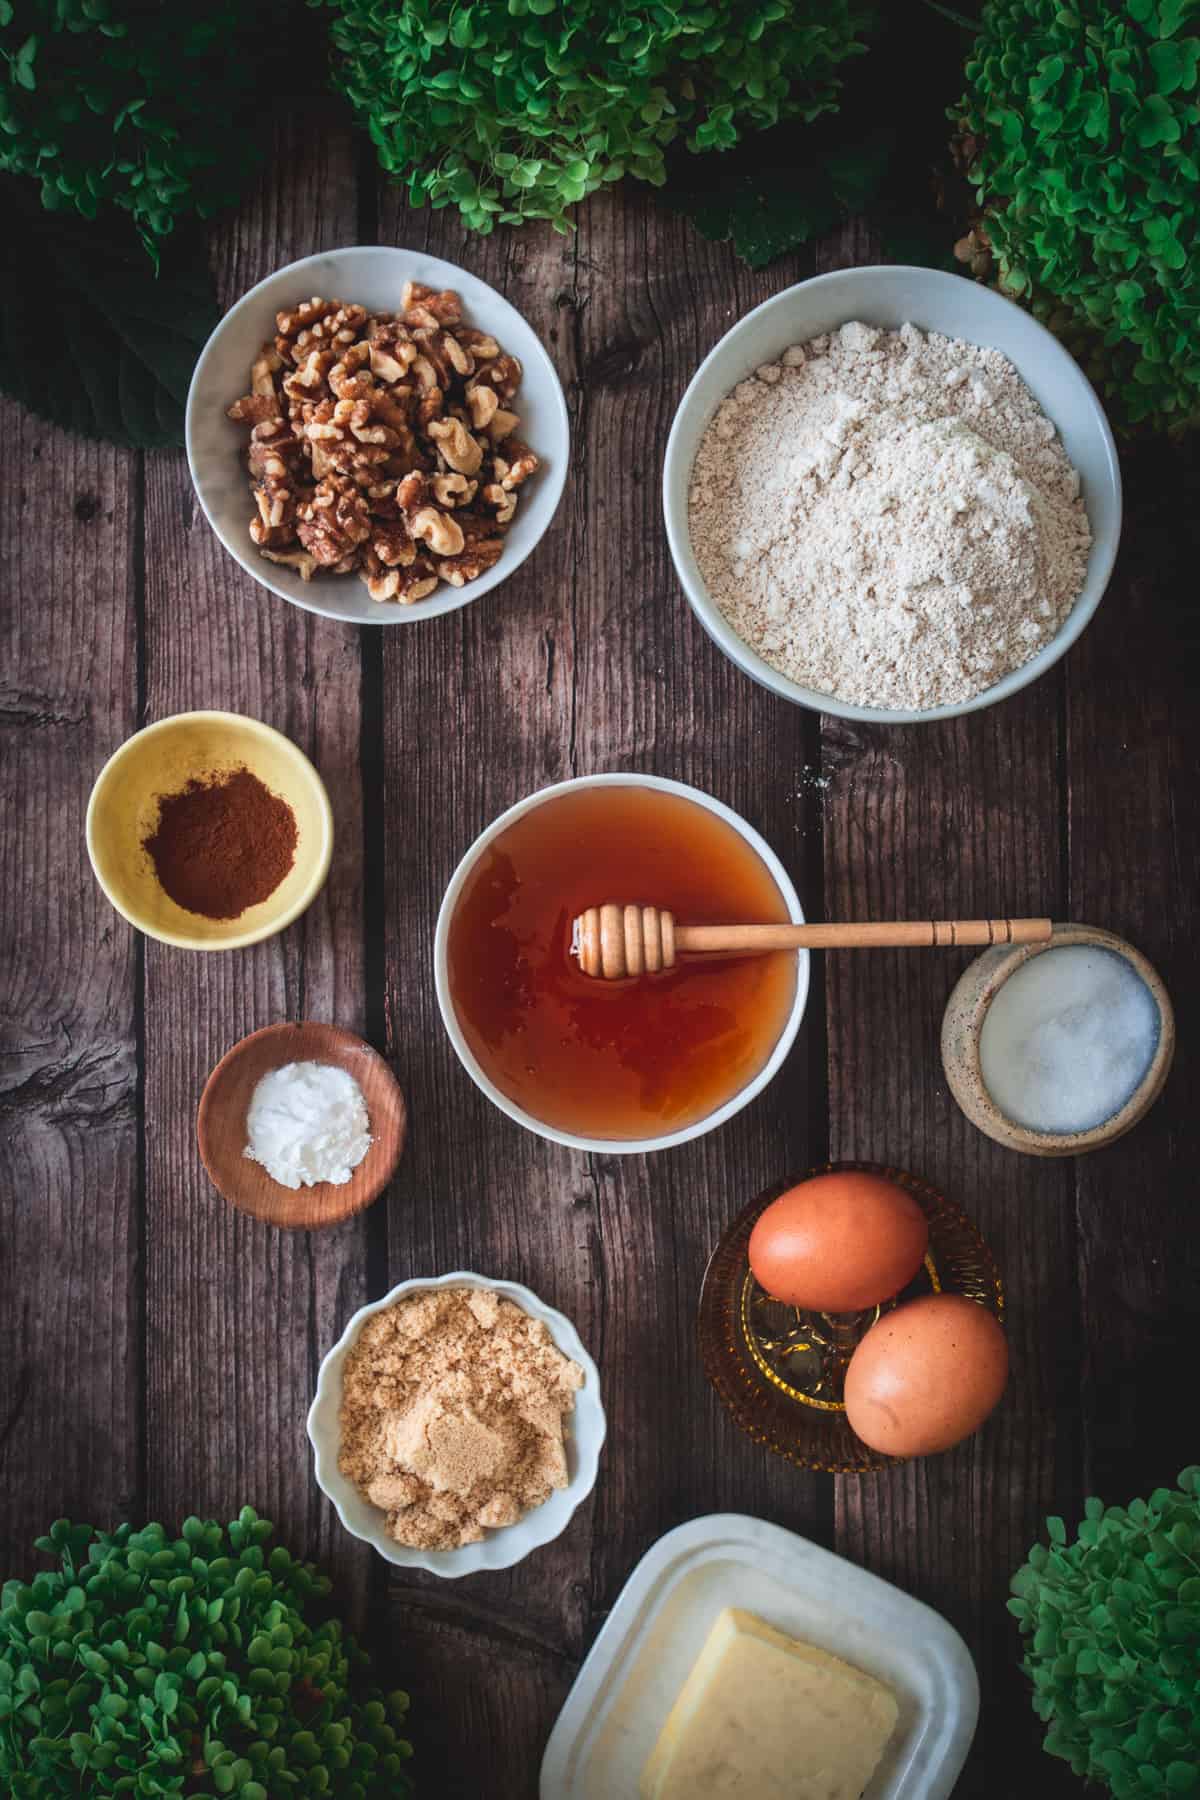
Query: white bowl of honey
[{"x": 631, "y": 1065}]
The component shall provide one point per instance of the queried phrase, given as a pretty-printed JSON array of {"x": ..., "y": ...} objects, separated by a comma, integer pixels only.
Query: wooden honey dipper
[{"x": 614, "y": 941}]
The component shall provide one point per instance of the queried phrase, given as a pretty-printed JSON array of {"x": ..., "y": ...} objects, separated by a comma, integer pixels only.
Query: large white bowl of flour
[{"x": 782, "y": 561}]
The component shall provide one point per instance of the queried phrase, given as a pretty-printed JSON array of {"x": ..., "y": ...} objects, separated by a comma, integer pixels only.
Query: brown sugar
[{"x": 453, "y": 1403}]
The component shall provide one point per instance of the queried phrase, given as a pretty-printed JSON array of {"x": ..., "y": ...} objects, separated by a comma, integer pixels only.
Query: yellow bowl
[{"x": 162, "y": 759}]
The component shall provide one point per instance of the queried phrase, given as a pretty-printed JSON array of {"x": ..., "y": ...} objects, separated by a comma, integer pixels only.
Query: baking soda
[
  {"x": 1067, "y": 1039},
  {"x": 308, "y": 1123}
]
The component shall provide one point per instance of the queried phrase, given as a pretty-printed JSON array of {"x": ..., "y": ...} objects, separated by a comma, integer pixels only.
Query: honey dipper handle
[
  {"x": 614, "y": 941},
  {"x": 899, "y": 934}
]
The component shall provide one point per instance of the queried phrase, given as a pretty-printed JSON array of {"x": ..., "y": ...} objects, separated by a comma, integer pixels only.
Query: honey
[{"x": 627, "y": 1059}]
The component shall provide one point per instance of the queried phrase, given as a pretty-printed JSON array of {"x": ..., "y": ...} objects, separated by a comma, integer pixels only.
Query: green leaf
[
  {"x": 1156, "y": 123},
  {"x": 127, "y": 341},
  {"x": 22, "y": 63}
]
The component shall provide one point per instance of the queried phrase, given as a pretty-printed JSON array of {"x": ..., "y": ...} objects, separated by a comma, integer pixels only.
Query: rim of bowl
[
  {"x": 618, "y": 1146},
  {"x": 747, "y": 659},
  {"x": 983, "y": 1111},
  {"x": 270, "y": 928},
  {"x": 438, "y": 604},
  {"x": 468, "y": 1558}
]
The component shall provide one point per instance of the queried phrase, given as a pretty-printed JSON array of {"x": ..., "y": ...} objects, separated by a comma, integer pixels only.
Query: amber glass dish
[{"x": 778, "y": 1370}]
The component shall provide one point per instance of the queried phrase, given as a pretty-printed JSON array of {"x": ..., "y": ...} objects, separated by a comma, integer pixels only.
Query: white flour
[
  {"x": 888, "y": 517},
  {"x": 307, "y": 1123}
]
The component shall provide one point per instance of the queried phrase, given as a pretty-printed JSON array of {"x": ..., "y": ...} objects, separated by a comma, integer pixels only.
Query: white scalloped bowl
[
  {"x": 585, "y": 1431},
  {"x": 373, "y": 275}
]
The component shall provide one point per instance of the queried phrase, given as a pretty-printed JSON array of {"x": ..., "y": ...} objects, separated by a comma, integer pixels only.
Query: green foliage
[
  {"x": 876, "y": 154},
  {"x": 1112, "y": 1629},
  {"x": 1082, "y": 125},
  {"x": 117, "y": 103},
  {"x": 199, "y": 1665},
  {"x": 124, "y": 343},
  {"x": 516, "y": 109}
]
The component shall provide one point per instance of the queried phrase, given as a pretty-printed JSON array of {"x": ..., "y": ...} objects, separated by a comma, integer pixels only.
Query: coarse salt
[
  {"x": 308, "y": 1123},
  {"x": 1068, "y": 1039}
]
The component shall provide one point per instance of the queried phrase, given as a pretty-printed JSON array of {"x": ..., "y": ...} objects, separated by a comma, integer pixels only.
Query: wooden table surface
[{"x": 158, "y": 1351}]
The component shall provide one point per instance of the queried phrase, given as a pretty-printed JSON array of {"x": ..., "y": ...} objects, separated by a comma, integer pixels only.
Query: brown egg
[
  {"x": 838, "y": 1243},
  {"x": 926, "y": 1375}
]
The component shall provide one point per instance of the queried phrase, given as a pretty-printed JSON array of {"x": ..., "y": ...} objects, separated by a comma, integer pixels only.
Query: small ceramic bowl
[
  {"x": 221, "y": 1125},
  {"x": 162, "y": 759},
  {"x": 891, "y": 297},
  {"x": 372, "y": 275},
  {"x": 962, "y": 1023},
  {"x": 585, "y": 1430},
  {"x": 615, "y": 1146}
]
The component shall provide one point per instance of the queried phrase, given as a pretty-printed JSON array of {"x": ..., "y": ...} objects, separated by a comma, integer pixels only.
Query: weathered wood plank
[
  {"x": 587, "y": 660},
  {"x": 70, "y": 1225},
  {"x": 238, "y": 1315},
  {"x": 1135, "y": 869},
  {"x": 960, "y": 819}
]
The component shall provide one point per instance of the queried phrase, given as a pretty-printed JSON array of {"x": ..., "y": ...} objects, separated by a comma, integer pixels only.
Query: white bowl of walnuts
[{"x": 377, "y": 435}]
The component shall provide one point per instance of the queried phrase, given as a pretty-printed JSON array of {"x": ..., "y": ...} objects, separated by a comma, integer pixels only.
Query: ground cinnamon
[{"x": 223, "y": 843}]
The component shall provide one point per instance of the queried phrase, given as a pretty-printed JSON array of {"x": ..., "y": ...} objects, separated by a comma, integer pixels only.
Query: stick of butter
[{"x": 766, "y": 1718}]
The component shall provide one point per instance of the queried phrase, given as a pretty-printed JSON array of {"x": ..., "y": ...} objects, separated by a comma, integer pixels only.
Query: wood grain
[
  {"x": 957, "y": 817},
  {"x": 238, "y": 1313},
  {"x": 1134, "y": 819},
  {"x": 158, "y": 1351},
  {"x": 587, "y": 660},
  {"x": 70, "y": 1225}
]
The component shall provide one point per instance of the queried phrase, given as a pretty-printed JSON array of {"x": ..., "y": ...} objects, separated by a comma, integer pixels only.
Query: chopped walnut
[
  {"x": 484, "y": 403},
  {"x": 294, "y": 559},
  {"x": 453, "y": 490},
  {"x": 522, "y": 465},
  {"x": 442, "y": 533},
  {"x": 444, "y": 307},
  {"x": 502, "y": 424},
  {"x": 503, "y": 374},
  {"x": 382, "y": 444},
  {"x": 458, "y": 449},
  {"x": 504, "y": 502}
]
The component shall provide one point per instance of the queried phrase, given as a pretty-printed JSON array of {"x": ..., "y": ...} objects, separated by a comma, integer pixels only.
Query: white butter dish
[{"x": 645, "y": 1651}]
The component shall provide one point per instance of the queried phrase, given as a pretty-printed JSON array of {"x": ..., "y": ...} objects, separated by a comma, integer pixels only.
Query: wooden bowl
[
  {"x": 225, "y": 1102},
  {"x": 962, "y": 1024}
]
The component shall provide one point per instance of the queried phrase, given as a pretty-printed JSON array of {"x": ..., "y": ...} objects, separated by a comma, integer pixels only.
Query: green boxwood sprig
[
  {"x": 1111, "y": 1622},
  {"x": 517, "y": 109},
  {"x": 201, "y": 1665}
]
